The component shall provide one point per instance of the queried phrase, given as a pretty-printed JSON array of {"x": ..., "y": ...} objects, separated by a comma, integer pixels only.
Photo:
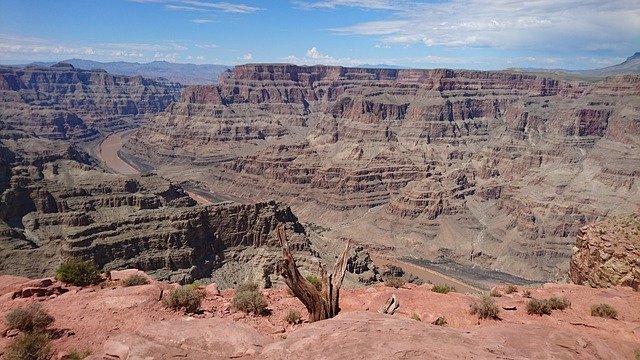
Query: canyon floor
[{"x": 131, "y": 323}]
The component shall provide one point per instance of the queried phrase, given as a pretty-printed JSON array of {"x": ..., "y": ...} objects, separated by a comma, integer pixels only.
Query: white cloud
[
  {"x": 202, "y": 21},
  {"x": 196, "y": 5},
  {"x": 505, "y": 24},
  {"x": 364, "y": 4},
  {"x": 247, "y": 56},
  {"x": 32, "y": 48},
  {"x": 207, "y": 46}
]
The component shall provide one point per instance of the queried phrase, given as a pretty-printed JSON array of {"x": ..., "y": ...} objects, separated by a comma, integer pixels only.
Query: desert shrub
[
  {"x": 135, "y": 280},
  {"x": 538, "y": 307},
  {"x": 443, "y": 289},
  {"x": 526, "y": 293},
  {"x": 604, "y": 310},
  {"x": 559, "y": 303},
  {"x": 415, "y": 316},
  {"x": 315, "y": 281},
  {"x": 249, "y": 301},
  {"x": 393, "y": 281},
  {"x": 440, "y": 321},
  {"x": 486, "y": 308},
  {"x": 30, "y": 346},
  {"x": 195, "y": 285},
  {"x": 495, "y": 293},
  {"x": 511, "y": 289},
  {"x": 248, "y": 286},
  {"x": 637, "y": 354},
  {"x": 293, "y": 317},
  {"x": 31, "y": 319},
  {"x": 77, "y": 355},
  {"x": 78, "y": 272},
  {"x": 183, "y": 298}
]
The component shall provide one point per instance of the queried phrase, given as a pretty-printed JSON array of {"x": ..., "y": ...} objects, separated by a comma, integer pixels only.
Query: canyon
[{"x": 489, "y": 170}]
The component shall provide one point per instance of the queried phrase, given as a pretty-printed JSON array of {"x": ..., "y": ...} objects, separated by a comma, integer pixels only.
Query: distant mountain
[
  {"x": 186, "y": 74},
  {"x": 629, "y": 66}
]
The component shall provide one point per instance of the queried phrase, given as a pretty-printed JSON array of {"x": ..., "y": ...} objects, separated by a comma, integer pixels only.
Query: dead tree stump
[{"x": 320, "y": 305}]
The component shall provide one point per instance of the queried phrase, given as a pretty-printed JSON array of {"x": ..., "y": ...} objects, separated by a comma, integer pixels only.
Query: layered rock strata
[
  {"x": 495, "y": 169},
  {"x": 63, "y": 102}
]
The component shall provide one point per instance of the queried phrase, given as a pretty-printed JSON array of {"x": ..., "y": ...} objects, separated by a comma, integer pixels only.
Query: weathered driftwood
[
  {"x": 320, "y": 305},
  {"x": 390, "y": 306}
]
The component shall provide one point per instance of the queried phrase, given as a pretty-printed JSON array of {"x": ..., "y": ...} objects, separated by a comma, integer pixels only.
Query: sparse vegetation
[
  {"x": 135, "y": 280},
  {"x": 538, "y": 307},
  {"x": 604, "y": 311},
  {"x": 194, "y": 285},
  {"x": 526, "y": 293},
  {"x": 443, "y": 289},
  {"x": 393, "y": 281},
  {"x": 495, "y": 293},
  {"x": 248, "y": 299},
  {"x": 637, "y": 354},
  {"x": 29, "y": 320},
  {"x": 77, "y": 355},
  {"x": 30, "y": 346},
  {"x": 440, "y": 321},
  {"x": 293, "y": 317},
  {"x": 545, "y": 306},
  {"x": 184, "y": 298},
  {"x": 559, "y": 303},
  {"x": 511, "y": 289},
  {"x": 317, "y": 228},
  {"x": 315, "y": 281},
  {"x": 78, "y": 272},
  {"x": 486, "y": 308},
  {"x": 415, "y": 316}
]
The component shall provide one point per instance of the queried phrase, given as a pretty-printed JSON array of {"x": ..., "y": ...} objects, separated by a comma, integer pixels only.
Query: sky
[{"x": 471, "y": 34}]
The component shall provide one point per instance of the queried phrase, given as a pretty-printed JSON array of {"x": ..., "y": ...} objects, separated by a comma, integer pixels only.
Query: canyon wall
[
  {"x": 63, "y": 102},
  {"x": 492, "y": 169}
]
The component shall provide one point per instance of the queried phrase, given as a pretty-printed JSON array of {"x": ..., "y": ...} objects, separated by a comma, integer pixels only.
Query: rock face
[
  {"x": 492, "y": 169},
  {"x": 608, "y": 253},
  {"x": 64, "y": 102},
  {"x": 55, "y": 204}
]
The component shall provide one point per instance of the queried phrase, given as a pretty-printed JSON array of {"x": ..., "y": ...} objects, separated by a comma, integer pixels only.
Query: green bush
[
  {"x": 393, "y": 281},
  {"x": 486, "y": 308},
  {"x": 443, "y": 289},
  {"x": 184, "y": 298},
  {"x": 29, "y": 320},
  {"x": 495, "y": 293},
  {"x": 30, "y": 346},
  {"x": 78, "y": 272},
  {"x": 194, "y": 285},
  {"x": 538, "y": 307},
  {"x": 249, "y": 301},
  {"x": 315, "y": 281},
  {"x": 604, "y": 310},
  {"x": 511, "y": 289},
  {"x": 135, "y": 280},
  {"x": 293, "y": 317}
]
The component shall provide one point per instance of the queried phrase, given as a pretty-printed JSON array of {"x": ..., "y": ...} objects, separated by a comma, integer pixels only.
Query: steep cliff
[
  {"x": 494, "y": 169},
  {"x": 64, "y": 102}
]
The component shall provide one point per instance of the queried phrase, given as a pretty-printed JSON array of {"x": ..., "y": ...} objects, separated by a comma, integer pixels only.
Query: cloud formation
[
  {"x": 202, "y": 6},
  {"x": 586, "y": 25}
]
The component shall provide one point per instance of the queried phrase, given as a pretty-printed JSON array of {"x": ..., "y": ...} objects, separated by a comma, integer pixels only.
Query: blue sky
[{"x": 475, "y": 34}]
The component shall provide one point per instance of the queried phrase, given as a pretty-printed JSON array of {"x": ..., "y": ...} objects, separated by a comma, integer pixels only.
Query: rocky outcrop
[
  {"x": 493, "y": 169},
  {"x": 61, "y": 102},
  {"x": 55, "y": 204},
  {"x": 608, "y": 253}
]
